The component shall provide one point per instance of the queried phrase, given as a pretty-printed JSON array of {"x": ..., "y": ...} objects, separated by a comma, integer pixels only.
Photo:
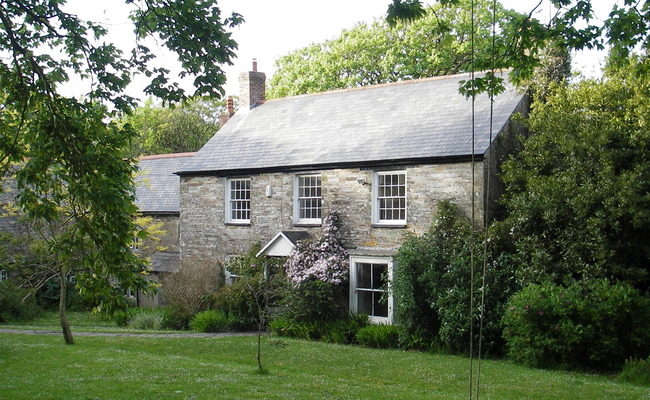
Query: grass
[
  {"x": 80, "y": 321},
  {"x": 226, "y": 368}
]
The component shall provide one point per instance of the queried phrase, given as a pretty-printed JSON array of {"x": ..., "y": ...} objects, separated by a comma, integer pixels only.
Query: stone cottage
[
  {"x": 382, "y": 156},
  {"x": 157, "y": 196}
]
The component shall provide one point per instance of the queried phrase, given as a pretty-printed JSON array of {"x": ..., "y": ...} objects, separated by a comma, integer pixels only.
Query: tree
[
  {"x": 74, "y": 172},
  {"x": 437, "y": 44},
  {"x": 577, "y": 193},
  {"x": 571, "y": 27},
  {"x": 179, "y": 129}
]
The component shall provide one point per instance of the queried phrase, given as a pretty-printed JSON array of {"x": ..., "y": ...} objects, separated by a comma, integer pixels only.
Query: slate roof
[
  {"x": 408, "y": 120},
  {"x": 157, "y": 187},
  {"x": 163, "y": 261}
]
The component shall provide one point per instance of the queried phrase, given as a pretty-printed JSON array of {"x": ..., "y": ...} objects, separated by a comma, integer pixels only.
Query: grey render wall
[{"x": 205, "y": 237}]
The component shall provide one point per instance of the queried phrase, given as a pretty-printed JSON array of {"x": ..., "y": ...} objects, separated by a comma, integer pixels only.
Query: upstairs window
[
  {"x": 389, "y": 198},
  {"x": 238, "y": 201},
  {"x": 3, "y": 275},
  {"x": 308, "y": 200}
]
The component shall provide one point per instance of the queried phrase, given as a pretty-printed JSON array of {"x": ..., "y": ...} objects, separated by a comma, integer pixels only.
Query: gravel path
[{"x": 118, "y": 334}]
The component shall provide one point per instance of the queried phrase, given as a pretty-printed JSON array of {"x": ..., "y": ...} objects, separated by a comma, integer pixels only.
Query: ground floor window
[{"x": 369, "y": 281}]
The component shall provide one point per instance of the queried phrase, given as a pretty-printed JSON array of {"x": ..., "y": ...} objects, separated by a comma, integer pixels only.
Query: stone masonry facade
[{"x": 205, "y": 237}]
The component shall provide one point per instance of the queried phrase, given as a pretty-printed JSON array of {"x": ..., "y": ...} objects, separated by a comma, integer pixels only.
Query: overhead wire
[
  {"x": 488, "y": 169},
  {"x": 473, "y": 197}
]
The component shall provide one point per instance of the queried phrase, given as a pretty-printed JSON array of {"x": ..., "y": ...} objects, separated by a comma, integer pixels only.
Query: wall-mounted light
[
  {"x": 361, "y": 180},
  {"x": 269, "y": 191}
]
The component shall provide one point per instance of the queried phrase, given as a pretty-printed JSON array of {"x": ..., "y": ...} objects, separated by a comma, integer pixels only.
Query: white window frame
[
  {"x": 376, "y": 211},
  {"x": 354, "y": 261},
  {"x": 4, "y": 275},
  {"x": 230, "y": 202},
  {"x": 135, "y": 244},
  {"x": 298, "y": 220}
]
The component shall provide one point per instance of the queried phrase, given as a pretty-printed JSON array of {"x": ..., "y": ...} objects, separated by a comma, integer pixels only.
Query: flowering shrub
[
  {"x": 588, "y": 324},
  {"x": 317, "y": 270},
  {"x": 323, "y": 259}
]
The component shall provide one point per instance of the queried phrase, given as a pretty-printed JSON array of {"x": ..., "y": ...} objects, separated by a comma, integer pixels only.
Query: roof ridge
[
  {"x": 380, "y": 85},
  {"x": 170, "y": 155}
]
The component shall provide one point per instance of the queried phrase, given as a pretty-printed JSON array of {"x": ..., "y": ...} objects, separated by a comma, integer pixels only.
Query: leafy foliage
[
  {"x": 147, "y": 319},
  {"x": 75, "y": 182},
  {"x": 431, "y": 286},
  {"x": 379, "y": 336},
  {"x": 162, "y": 130},
  {"x": 577, "y": 192},
  {"x": 590, "y": 324},
  {"x": 340, "y": 331},
  {"x": 259, "y": 279},
  {"x": 47, "y": 297},
  {"x": 318, "y": 270},
  {"x": 13, "y": 307},
  {"x": 571, "y": 27},
  {"x": 636, "y": 371},
  {"x": 438, "y": 43},
  {"x": 209, "y": 321}
]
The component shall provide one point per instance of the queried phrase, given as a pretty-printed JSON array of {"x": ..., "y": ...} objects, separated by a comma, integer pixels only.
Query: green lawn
[
  {"x": 225, "y": 368},
  {"x": 80, "y": 321}
]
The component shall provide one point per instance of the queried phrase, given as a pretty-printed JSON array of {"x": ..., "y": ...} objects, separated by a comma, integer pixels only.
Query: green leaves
[
  {"x": 161, "y": 130},
  {"x": 523, "y": 38},
  {"x": 436, "y": 44},
  {"x": 404, "y": 10},
  {"x": 577, "y": 193},
  {"x": 196, "y": 32}
]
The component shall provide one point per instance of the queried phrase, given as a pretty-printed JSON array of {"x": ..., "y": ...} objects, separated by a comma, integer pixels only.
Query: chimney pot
[
  {"x": 230, "y": 106},
  {"x": 252, "y": 88}
]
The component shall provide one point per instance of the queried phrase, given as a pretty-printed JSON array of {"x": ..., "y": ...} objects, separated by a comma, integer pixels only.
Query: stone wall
[{"x": 204, "y": 236}]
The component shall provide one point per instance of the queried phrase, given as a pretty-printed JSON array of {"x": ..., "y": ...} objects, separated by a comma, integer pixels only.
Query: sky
[{"x": 273, "y": 28}]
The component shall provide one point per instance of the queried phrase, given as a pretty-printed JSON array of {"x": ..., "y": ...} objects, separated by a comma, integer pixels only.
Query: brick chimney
[
  {"x": 230, "y": 110},
  {"x": 252, "y": 88}
]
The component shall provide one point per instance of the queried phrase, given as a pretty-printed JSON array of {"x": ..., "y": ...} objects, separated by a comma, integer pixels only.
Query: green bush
[
  {"x": 636, "y": 371},
  {"x": 12, "y": 306},
  {"x": 431, "y": 287},
  {"x": 47, "y": 296},
  {"x": 379, "y": 336},
  {"x": 341, "y": 331},
  {"x": 149, "y": 319},
  {"x": 588, "y": 324},
  {"x": 295, "y": 329},
  {"x": 318, "y": 301},
  {"x": 122, "y": 317},
  {"x": 209, "y": 321},
  {"x": 238, "y": 303},
  {"x": 344, "y": 331}
]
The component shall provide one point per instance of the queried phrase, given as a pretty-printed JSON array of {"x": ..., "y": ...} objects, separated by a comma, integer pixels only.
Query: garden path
[{"x": 130, "y": 334}]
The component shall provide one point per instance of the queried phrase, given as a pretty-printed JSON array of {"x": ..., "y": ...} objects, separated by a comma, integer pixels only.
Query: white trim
[
  {"x": 279, "y": 246},
  {"x": 354, "y": 260},
  {"x": 297, "y": 220},
  {"x": 375, "y": 200},
  {"x": 4, "y": 275},
  {"x": 229, "y": 202}
]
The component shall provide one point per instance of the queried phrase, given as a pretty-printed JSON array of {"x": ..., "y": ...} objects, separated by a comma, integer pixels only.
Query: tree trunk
[
  {"x": 259, "y": 344},
  {"x": 65, "y": 325}
]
